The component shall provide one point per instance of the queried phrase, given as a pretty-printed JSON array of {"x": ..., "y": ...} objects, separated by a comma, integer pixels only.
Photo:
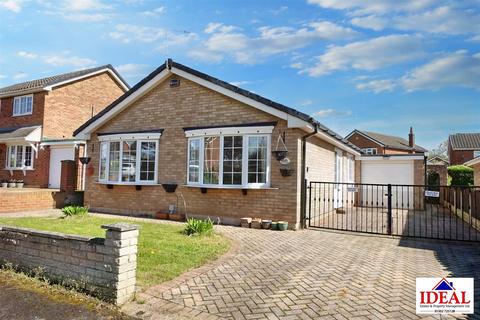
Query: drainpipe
[{"x": 303, "y": 189}]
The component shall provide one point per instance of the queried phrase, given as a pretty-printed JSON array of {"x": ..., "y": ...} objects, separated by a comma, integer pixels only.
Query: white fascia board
[
  {"x": 131, "y": 136},
  {"x": 228, "y": 131},
  {"x": 390, "y": 157},
  {"x": 231, "y": 94},
  {"x": 85, "y": 133},
  {"x": 124, "y": 86},
  {"x": 62, "y": 143}
]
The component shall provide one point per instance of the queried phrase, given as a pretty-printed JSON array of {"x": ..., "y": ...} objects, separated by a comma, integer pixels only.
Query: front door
[
  {"x": 57, "y": 154},
  {"x": 337, "y": 196}
]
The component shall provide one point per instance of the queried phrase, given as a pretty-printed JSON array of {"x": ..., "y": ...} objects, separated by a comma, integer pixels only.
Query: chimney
[{"x": 411, "y": 138}]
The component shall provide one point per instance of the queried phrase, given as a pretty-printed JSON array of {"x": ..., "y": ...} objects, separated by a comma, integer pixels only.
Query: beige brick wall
[
  {"x": 185, "y": 106},
  {"x": 69, "y": 106},
  {"x": 476, "y": 174},
  {"x": 104, "y": 267}
]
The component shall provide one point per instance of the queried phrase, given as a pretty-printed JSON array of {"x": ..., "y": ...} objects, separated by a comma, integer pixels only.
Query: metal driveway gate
[{"x": 438, "y": 212}]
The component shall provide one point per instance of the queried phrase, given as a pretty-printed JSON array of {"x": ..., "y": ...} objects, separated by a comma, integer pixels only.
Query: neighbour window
[
  {"x": 128, "y": 161},
  {"x": 22, "y": 105},
  {"x": 476, "y": 153},
  {"x": 19, "y": 157},
  {"x": 229, "y": 160},
  {"x": 370, "y": 151}
]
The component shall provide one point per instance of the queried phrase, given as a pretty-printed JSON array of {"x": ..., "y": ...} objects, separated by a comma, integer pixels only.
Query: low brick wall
[
  {"x": 31, "y": 199},
  {"x": 104, "y": 267}
]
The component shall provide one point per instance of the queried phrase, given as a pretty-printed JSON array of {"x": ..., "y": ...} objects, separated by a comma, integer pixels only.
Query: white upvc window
[
  {"x": 370, "y": 151},
  {"x": 19, "y": 157},
  {"x": 128, "y": 161},
  {"x": 476, "y": 153},
  {"x": 229, "y": 160},
  {"x": 23, "y": 105}
]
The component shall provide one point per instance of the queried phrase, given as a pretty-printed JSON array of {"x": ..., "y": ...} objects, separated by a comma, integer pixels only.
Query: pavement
[{"x": 310, "y": 274}]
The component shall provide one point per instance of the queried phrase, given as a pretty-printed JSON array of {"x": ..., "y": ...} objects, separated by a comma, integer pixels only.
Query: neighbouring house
[
  {"x": 463, "y": 147},
  {"x": 475, "y": 165},
  {"x": 437, "y": 165},
  {"x": 373, "y": 143},
  {"x": 37, "y": 119},
  {"x": 183, "y": 140}
]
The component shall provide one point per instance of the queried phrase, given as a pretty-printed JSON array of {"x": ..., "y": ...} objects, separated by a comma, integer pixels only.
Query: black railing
[{"x": 439, "y": 212}]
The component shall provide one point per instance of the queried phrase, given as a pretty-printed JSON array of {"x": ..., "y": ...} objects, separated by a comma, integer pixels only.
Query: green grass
[{"x": 164, "y": 252}]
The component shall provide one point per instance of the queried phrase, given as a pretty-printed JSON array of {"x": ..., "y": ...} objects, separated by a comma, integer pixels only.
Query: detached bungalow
[{"x": 183, "y": 140}]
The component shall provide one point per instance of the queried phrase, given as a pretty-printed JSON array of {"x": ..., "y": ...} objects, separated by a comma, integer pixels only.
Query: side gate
[{"x": 436, "y": 212}]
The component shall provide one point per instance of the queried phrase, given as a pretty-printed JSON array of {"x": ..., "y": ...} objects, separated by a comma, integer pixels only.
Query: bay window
[
  {"x": 19, "y": 157},
  {"x": 224, "y": 160},
  {"x": 128, "y": 161}
]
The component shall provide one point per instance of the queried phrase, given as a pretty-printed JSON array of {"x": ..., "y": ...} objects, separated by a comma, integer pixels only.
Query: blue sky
[{"x": 375, "y": 65}]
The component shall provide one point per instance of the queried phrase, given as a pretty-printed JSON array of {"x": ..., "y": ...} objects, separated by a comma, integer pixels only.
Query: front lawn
[{"x": 163, "y": 251}]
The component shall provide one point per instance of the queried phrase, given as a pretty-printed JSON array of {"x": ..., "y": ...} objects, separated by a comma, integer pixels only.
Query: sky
[{"x": 377, "y": 65}]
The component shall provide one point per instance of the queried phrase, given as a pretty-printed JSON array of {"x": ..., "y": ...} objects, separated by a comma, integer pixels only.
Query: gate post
[{"x": 389, "y": 209}]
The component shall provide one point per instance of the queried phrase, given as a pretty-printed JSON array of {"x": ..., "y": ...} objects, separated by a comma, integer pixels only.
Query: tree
[{"x": 440, "y": 151}]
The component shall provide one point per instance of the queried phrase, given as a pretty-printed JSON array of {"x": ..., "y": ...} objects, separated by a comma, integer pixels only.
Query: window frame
[
  {"x": 476, "y": 153},
  {"x": 138, "y": 180},
  {"x": 24, "y": 152},
  {"x": 19, "y": 98},
  {"x": 244, "y": 184},
  {"x": 370, "y": 151}
]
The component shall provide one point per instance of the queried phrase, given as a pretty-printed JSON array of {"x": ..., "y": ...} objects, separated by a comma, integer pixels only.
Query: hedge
[{"x": 460, "y": 175}]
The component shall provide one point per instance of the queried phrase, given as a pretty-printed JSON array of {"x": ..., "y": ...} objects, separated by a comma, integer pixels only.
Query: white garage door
[
  {"x": 395, "y": 172},
  {"x": 56, "y": 156}
]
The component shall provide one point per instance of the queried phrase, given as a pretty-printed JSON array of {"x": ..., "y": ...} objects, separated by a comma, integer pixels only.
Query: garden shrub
[
  {"x": 74, "y": 211},
  {"x": 460, "y": 175},
  {"x": 198, "y": 227}
]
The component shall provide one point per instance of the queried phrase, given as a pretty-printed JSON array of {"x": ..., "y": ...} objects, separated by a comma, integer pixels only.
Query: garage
[{"x": 379, "y": 170}]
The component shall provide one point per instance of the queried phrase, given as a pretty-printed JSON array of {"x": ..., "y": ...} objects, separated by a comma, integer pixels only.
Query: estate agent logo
[{"x": 442, "y": 295}]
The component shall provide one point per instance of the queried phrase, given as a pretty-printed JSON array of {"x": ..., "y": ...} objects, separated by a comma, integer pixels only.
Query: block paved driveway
[{"x": 310, "y": 274}]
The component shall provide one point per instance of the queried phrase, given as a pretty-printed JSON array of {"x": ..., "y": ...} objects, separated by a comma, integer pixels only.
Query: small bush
[
  {"x": 75, "y": 211},
  {"x": 460, "y": 175},
  {"x": 198, "y": 227}
]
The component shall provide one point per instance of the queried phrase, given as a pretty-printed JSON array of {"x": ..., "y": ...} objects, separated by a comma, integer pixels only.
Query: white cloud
[
  {"x": 230, "y": 41},
  {"x": 28, "y": 55},
  {"x": 127, "y": 33},
  {"x": 2, "y": 76},
  {"x": 377, "y": 86},
  {"x": 279, "y": 10},
  {"x": 84, "y": 5},
  {"x": 457, "y": 69},
  {"x": 332, "y": 113},
  {"x": 60, "y": 60},
  {"x": 370, "y": 22},
  {"x": 443, "y": 19},
  {"x": 155, "y": 12},
  {"x": 20, "y": 75},
  {"x": 373, "y": 6},
  {"x": 368, "y": 55},
  {"x": 12, "y": 5},
  {"x": 241, "y": 83},
  {"x": 87, "y": 17},
  {"x": 130, "y": 69},
  {"x": 305, "y": 103}
]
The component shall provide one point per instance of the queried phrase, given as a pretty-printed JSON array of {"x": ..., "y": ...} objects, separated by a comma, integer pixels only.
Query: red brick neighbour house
[
  {"x": 215, "y": 142},
  {"x": 475, "y": 165},
  {"x": 373, "y": 143},
  {"x": 37, "y": 119},
  {"x": 463, "y": 147}
]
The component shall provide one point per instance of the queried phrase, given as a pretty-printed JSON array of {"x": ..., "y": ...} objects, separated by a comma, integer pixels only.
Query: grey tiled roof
[
  {"x": 392, "y": 141},
  {"x": 226, "y": 85},
  {"x": 464, "y": 141},
  {"x": 16, "y": 132},
  {"x": 39, "y": 84}
]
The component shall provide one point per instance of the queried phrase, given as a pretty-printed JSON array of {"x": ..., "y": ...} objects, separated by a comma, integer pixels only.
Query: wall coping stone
[
  {"x": 121, "y": 226},
  {"x": 50, "y": 234}
]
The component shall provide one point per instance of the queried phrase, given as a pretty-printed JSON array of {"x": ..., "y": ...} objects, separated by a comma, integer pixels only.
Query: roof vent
[{"x": 174, "y": 83}]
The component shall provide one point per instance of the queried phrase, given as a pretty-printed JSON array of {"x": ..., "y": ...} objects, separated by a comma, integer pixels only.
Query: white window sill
[
  {"x": 212, "y": 186},
  {"x": 22, "y": 115},
  {"x": 139, "y": 183},
  {"x": 20, "y": 169}
]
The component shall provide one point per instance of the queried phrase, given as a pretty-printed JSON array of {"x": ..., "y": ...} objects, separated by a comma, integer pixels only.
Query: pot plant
[
  {"x": 19, "y": 184},
  {"x": 274, "y": 225},
  {"x": 4, "y": 183},
  {"x": 279, "y": 153},
  {"x": 285, "y": 168},
  {"x": 12, "y": 183},
  {"x": 282, "y": 225},
  {"x": 162, "y": 215}
]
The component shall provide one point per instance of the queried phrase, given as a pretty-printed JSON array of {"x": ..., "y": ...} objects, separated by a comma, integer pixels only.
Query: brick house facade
[
  {"x": 180, "y": 113},
  {"x": 373, "y": 143},
  {"x": 37, "y": 119},
  {"x": 463, "y": 147}
]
